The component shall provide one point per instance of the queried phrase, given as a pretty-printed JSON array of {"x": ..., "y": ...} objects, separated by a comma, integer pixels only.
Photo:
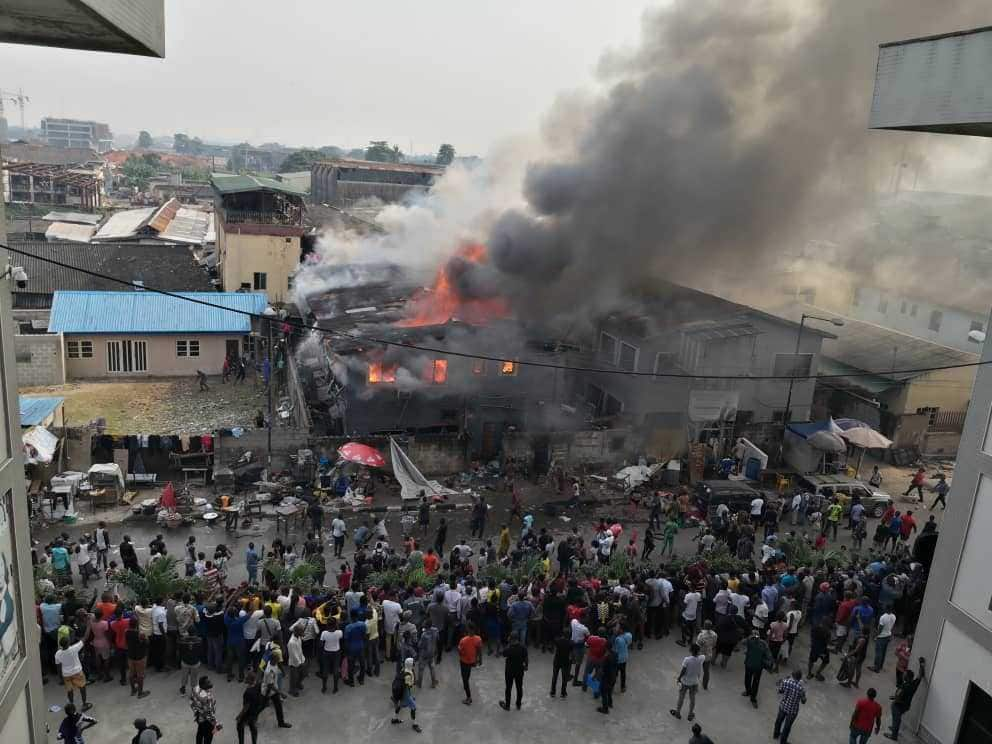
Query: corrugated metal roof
[
  {"x": 211, "y": 234},
  {"x": 872, "y": 383},
  {"x": 82, "y": 218},
  {"x": 124, "y": 224},
  {"x": 150, "y": 312},
  {"x": 225, "y": 183},
  {"x": 70, "y": 231},
  {"x": 164, "y": 215},
  {"x": 36, "y": 410},
  {"x": 188, "y": 226}
]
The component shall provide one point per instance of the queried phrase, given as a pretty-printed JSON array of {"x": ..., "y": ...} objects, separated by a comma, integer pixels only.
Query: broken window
[
  {"x": 608, "y": 348},
  {"x": 381, "y": 372},
  {"x": 792, "y": 365},
  {"x": 479, "y": 367},
  {"x": 508, "y": 369},
  {"x": 628, "y": 357}
]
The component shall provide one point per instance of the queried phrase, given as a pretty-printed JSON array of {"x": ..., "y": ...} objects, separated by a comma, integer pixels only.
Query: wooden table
[{"x": 286, "y": 514}]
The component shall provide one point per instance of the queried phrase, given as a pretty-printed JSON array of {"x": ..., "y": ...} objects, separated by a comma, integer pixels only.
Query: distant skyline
[{"x": 310, "y": 73}]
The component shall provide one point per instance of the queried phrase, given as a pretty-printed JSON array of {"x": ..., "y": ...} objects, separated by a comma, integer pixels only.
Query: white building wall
[{"x": 959, "y": 660}]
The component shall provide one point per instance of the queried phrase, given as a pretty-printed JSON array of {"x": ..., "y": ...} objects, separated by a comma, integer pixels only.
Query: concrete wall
[
  {"x": 941, "y": 443},
  {"x": 575, "y": 447},
  {"x": 40, "y": 360},
  {"x": 285, "y": 442},
  {"x": 947, "y": 389},
  {"x": 241, "y": 255},
  {"x": 161, "y": 352}
]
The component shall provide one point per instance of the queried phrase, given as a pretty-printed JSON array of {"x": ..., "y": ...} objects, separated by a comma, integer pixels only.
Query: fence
[{"x": 947, "y": 421}]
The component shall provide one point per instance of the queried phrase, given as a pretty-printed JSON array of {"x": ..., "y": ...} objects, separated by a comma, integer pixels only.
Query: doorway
[
  {"x": 125, "y": 357},
  {"x": 976, "y": 723},
  {"x": 231, "y": 348}
]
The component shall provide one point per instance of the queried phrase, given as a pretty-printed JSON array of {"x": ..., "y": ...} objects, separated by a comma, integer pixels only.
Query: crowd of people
[{"x": 400, "y": 611}]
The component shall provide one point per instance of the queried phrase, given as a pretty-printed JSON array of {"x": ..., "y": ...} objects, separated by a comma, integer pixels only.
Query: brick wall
[{"x": 39, "y": 359}]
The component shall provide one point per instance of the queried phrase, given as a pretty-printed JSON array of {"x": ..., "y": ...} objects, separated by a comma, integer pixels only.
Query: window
[
  {"x": 594, "y": 398},
  {"x": 902, "y": 307},
  {"x": 249, "y": 345},
  {"x": 127, "y": 356},
  {"x": 936, "y": 318},
  {"x": 792, "y": 365},
  {"x": 883, "y": 304},
  {"x": 259, "y": 280},
  {"x": 437, "y": 371},
  {"x": 187, "y": 348},
  {"x": 607, "y": 351},
  {"x": 79, "y": 349},
  {"x": 856, "y": 297},
  {"x": 628, "y": 357},
  {"x": 931, "y": 413},
  {"x": 381, "y": 372},
  {"x": 665, "y": 361},
  {"x": 478, "y": 366},
  {"x": 912, "y": 310},
  {"x": 508, "y": 369}
]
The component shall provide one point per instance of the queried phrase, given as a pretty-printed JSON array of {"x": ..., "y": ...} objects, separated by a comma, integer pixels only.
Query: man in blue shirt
[
  {"x": 51, "y": 619},
  {"x": 861, "y": 618},
  {"x": 235, "y": 648},
  {"x": 621, "y": 647},
  {"x": 251, "y": 563},
  {"x": 355, "y": 634},
  {"x": 520, "y": 613},
  {"x": 769, "y": 595}
]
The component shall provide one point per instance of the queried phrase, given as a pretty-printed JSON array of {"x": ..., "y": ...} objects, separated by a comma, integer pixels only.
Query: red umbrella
[{"x": 362, "y": 454}]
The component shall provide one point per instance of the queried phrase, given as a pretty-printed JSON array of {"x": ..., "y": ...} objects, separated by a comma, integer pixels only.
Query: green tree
[
  {"x": 137, "y": 170},
  {"x": 445, "y": 154},
  {"x": 380, "y": 151},
  {"x": 180, "y": 143},
  {"x": 144, "y": 140},
  {"x": 330, "y": 151},
  {"x": 300, "y": 160}
]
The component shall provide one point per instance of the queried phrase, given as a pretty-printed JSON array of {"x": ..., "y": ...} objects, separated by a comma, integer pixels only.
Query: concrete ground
[{"x": 362, "y": 714}]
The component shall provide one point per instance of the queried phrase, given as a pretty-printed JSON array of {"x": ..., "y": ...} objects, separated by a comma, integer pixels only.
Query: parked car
[
  {"x": 825, "y": 487},
  {"x": 737, "y": 495}
]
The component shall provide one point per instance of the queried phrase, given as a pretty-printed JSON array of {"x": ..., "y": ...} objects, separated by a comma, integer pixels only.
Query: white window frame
[
  {"x": 79, "y": 349},
  {"x": 612, "y": 358},
  {"x": 260, "y": 281},
  {"x": 187, "y": 348}
]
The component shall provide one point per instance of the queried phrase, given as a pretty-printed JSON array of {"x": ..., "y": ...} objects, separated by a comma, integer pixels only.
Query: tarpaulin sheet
[
  {"x": 411, "y": 480},
  {"x": 39, "y": 445}
]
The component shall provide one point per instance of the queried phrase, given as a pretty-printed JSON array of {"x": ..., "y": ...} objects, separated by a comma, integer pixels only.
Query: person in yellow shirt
[
  {"x": 834, "y": 512},
  {"x": 504, "y": 541},
  {"x": 372, "y": 660}
]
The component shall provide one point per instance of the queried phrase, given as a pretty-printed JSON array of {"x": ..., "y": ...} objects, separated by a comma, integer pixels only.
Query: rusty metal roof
[{"x": 161, "y": 219}]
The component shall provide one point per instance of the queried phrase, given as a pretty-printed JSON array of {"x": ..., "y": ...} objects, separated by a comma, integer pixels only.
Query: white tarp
[
  {"x": 411, "y": 480},
  {"x": 635, "y": 475},
  {"x": 39, "y": 445},
  {"x": 109, "y": 468}
]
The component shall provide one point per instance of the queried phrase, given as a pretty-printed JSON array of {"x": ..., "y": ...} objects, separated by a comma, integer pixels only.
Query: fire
[
  {"x": 443, "y": 302},
  {"x": 381, "y": 372}
]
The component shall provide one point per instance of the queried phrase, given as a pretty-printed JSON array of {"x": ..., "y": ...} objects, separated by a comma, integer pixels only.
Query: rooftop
[
  {"x": 35, "y": 410},
  {"x": 167, "y": 267},
  {"x": 81, "y": 218},
  {"x": 225, "y": 183},
  {"x": 375, "y": 165},
  {"x": 151, "y": 312},
  {"x": 70, "y": 231}
]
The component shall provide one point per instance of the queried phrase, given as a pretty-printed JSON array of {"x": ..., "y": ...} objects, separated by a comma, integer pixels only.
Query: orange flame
[{"x": 442, "y": 301}]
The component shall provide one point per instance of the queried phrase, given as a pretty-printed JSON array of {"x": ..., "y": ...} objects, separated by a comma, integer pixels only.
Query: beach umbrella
[{"x": 362, "y": 454}]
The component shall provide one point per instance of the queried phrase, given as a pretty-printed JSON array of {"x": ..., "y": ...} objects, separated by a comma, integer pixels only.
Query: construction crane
[{"x": 19, "y": 98}]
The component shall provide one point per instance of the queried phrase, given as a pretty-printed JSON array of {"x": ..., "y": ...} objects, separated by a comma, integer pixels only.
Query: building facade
[
  {"x": 145, "y": 334},
  {"x": 259, "y": 223},
  {"x": 77, "y": 133},
  {"x": 343, "y": 183}
]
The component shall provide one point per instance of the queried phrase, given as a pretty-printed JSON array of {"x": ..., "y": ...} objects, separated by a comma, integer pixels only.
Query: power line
[{"x": 485, "y": 357}]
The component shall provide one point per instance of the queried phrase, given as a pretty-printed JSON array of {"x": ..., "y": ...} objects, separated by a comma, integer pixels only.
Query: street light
[
  {"x": 799, "y": 337},
  {"x": 270, "y": 315}
]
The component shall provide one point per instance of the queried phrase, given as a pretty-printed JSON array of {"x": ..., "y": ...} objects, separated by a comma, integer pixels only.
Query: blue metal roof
[
  {"x": 150, "y": 312},
  {"x": 36, "y": 410}
]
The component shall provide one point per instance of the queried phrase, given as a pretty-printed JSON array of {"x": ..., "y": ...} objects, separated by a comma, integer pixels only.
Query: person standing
[
  {"x": 607, "y": 679},
  {"x": 251, "y": 563},
  {"x": 204, "y": 706},
  {"x": 441, "y": 537},
  {"x": 469, "y": 656},
  {"x": 867, "y": 715},
  {"x": 427, "y": 647},
  {"x": 67, "y": 659},
  {"x": 757, "y": 658},
  {"x": 355, "y": 635},
  {"x": 669, "y": 532},
  {"x": 690, "y": 675},
  {"x": 190, "y": 653},
  {"x": 338, "y": 532},
  {"x": 147, "y": 734},
  {"x": 516, "y": 664},
  {"x": 270, "y": 684},
  {"x": 884, "y": 635},
  {"x": 137, "y": 657},
  {"x": 296, "y": 661},
  {"x": 102, "y": 540},
  {"x": 903, "y": 699},
  {"x": 330, "y": 655},
  {"x": 706, "y": 641},
  {"x": 793, "y": 694},
  {"x": 561, "y": 662},
  {"x": 252, "y": 704}
]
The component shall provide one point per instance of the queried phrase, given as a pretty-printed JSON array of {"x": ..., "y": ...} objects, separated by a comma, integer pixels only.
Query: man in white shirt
[
  {"x": 797, "y": 508},
  {"x": 757, "y": 504},
  {"x": 689, "y": 678},
  {"x": 102, "y": 539},
  {"x": 67, "y": 659},
  {"x": 721, "y": 601},
  {"x": 759, "y": 620},
  {"x": 690, "y": 608},
  {"x": 740, "y": 601},
  {"x": 391, "y": 611},
  {"x": 330, "y": 655},
  {"x": 605, "y": 546},
  {"x": 793, "y": 617},
  {"x": 338, "y": 532},
  {"x": 579, "y": 634},
  {"x": 885, "y": 624},
  {"x": 156, "y": 644},
  {"x": 296, "y": 661}
]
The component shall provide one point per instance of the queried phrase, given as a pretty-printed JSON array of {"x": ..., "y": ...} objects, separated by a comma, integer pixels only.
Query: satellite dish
[{"x": 977, "y": 336}]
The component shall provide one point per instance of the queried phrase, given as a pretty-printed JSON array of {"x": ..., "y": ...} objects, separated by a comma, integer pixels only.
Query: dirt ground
[{"x": 159, "y": 406}]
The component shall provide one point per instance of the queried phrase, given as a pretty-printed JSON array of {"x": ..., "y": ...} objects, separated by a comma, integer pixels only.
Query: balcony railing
[{"x": 245, "y": 217}]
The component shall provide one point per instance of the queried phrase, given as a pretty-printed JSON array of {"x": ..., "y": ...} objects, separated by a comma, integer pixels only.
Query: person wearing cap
[
  {"x": 204, "y": 707},
  {"x": 403, "y": 695}
]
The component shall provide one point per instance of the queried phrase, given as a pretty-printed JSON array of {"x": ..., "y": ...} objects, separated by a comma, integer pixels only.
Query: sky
[{"x": 311, "y": 72}]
